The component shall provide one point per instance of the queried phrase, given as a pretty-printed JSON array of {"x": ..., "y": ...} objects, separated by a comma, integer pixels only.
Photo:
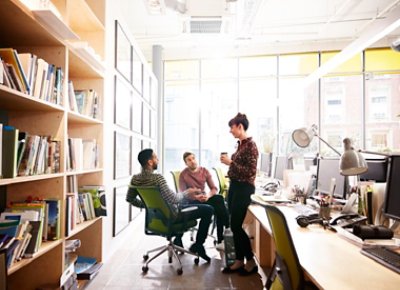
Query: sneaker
[{"x": 220, "y": 246}]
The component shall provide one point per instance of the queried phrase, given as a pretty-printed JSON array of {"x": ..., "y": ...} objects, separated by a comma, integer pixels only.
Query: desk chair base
[{"x": 172, "y": 250}]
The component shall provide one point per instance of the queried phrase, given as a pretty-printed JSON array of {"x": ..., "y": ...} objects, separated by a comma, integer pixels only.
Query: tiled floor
[{"x": 123, "y": 270}]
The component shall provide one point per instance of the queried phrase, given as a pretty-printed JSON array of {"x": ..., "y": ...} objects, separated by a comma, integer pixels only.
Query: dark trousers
[
  {"x": 203, "y": 212},
  {"x": 238, "y": 201},
  {"x": 221, "y": 213}
]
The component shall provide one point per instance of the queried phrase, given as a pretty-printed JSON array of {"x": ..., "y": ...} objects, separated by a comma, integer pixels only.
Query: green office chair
[
  {"x": 286, "y": 273},
  {"x": 160, "y": 221},
  {"x": 222, "y": 181}
]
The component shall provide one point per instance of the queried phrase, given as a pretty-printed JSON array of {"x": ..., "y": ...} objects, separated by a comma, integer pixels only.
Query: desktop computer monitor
[
  {"x": 327, "y": 169},
  {"x": 377, "y": 170},
  {"x": 391, "y": 207},
  {"x": 280, "y": 166},
  {"x": 265, "y": 163}
]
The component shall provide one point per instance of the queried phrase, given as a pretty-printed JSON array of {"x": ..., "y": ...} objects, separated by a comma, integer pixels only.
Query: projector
[{"x": 396, "y": 45}]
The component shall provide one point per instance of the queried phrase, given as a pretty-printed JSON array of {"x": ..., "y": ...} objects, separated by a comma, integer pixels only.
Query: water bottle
[{"x": 230, "y": 254}]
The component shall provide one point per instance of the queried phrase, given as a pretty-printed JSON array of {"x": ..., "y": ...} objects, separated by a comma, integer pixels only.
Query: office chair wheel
[
  {"x": 197, "y": 261},
  {"x": 145, "y": 257},
  {"x": 170, "y": 260},
  {"x": 145, "y": 269},
  {"x": 179, "y": 271}
]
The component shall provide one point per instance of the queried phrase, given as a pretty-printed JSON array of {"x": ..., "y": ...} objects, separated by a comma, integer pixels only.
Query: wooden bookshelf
[{"x": 24, "y": 31}]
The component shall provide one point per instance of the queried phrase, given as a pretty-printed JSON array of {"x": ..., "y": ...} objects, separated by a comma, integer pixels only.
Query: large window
[
  {"x": 382, "y": 100},
  {"x": 359, "y": 100}
]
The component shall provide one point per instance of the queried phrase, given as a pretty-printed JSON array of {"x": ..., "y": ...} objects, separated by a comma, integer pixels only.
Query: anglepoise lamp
[{"x": 351, "y": 161}]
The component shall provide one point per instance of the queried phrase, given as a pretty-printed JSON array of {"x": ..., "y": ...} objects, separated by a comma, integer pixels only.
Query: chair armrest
[{"x": 188, "y": 209}]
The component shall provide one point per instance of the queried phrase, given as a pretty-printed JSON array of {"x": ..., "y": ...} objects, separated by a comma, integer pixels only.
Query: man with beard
[{"x": 149, "y": 161}]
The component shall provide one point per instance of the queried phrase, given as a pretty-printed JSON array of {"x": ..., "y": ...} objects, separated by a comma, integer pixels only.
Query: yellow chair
[
  {"x": 175, "y": 175},
  {"x": 286, "y": 267},
  {"x": 161, "y": 221},
  {"x": 222, "y": 182}
]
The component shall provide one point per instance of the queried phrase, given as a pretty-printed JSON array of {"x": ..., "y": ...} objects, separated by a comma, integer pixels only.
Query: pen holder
[{"x": 325, "y": 212}]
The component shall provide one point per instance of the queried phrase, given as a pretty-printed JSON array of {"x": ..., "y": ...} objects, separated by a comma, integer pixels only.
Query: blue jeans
[{"x": 203, "y": 212}]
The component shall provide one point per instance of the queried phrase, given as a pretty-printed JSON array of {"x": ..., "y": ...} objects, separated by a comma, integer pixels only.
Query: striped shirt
[{"x": 148, "y": 178}]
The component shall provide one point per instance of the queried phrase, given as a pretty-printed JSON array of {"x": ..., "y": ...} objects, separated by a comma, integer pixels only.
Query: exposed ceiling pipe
[
  {"x": 337, "y": 12},
  {"x": 377, "y": 16},
  {"x": 377, "y": 30}
]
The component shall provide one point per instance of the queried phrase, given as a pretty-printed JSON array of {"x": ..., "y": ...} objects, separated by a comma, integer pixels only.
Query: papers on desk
[
  {"x": 348, "y": 235},
  {"x": 269, "y": 199}
]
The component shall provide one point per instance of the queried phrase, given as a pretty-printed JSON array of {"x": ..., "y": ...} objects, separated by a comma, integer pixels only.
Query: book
[
  {"x": 6, "y": 79},
  {"x": 35, "y": 240},
  {"x": 73, "y": 106},
  {"x": 9, "y": 227},
  {"x": 84, "y": 263},
  {"x": 39, "y": 77},
  {"x": 3, "y": 239},
  {"x": 90, "y": 273},
  {"x": 11, "y": 251},
  {"x": 9, "y": 151},
  {"x": 98, "y": 195},
  {"x": 10, "y": 56},
  {"x": 53, "y": 219},
  {"x": 26, "y": 60},
  {"x": 37, "y": 225},
  {"x": 15, "y": 81},
  {"x": 22, "y": 136}
]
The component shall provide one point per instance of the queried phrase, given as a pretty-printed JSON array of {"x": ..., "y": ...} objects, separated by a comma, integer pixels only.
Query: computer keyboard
[
  {"x": 383, "y": 255},
  {"x": 303, "y": 209}
]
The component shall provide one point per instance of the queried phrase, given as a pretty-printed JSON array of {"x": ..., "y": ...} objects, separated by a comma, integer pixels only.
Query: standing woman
[{"x": 242, "y": 173}]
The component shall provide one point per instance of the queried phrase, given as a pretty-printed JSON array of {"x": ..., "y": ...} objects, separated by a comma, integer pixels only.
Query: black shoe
[
  {"x": 199, "y": 250},
  {"x": 244, "y": 272},
  {"x": 228, "y": 270}
]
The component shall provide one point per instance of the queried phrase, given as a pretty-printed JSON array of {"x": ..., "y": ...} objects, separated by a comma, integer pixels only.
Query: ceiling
[{"x": 251, "y": 27}]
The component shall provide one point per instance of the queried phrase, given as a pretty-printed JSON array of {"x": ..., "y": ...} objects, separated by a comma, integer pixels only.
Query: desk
[{"x": 328, "y": 260}]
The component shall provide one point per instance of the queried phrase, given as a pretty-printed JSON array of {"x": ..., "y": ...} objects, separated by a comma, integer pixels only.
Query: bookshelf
[{"x": 81, "y": 62}]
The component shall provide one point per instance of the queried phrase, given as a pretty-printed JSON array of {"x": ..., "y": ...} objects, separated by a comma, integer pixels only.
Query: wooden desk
[{"x": 328, "y": 260}]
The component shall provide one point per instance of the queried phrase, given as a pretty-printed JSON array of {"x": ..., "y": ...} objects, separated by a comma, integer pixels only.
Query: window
[{"x": 341, "y": 105}]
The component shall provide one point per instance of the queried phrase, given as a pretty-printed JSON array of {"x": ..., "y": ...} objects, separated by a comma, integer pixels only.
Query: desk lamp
[
  {"x": 303, "y": 137},
  {"x": 351, "y": 161}
]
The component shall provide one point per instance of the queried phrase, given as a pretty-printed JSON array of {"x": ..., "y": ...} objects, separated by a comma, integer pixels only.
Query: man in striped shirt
[{"x": 149, "y": 162}]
